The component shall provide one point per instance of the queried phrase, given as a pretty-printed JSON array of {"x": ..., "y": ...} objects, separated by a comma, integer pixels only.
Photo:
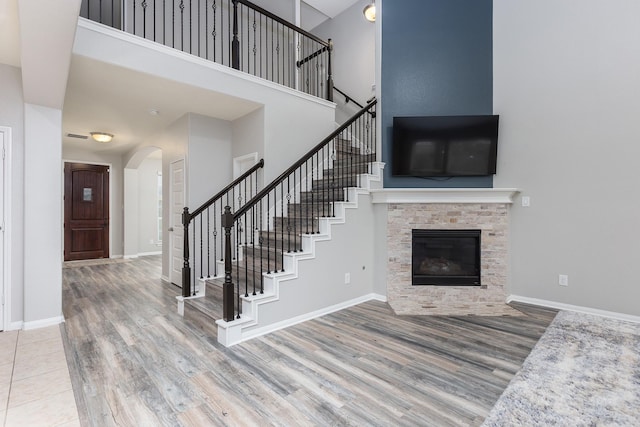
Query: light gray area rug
[{"x": 584, "y": 371}]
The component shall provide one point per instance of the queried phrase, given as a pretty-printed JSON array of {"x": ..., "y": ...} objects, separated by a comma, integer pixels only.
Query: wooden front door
[{"x": 86, "y": 211}]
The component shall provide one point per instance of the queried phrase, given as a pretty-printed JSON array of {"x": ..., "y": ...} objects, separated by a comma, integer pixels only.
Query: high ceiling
[{"x": 102, "y": 97}]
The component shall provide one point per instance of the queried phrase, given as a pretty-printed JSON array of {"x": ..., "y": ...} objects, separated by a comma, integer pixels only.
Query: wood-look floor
[{"x": 135, "y": 362}]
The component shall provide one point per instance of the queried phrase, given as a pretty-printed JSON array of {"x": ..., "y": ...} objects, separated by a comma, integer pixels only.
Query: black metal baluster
[
  {"x": 253, "y": 246},
  {"x": 246, "y": 261},
  {"x": 255, "y": 49},
  {"x": 314, "y": 169},
  {"x": 208, "y": 246},
  {"x": 173, "y": 24},
  {"x": 181, "y": 25},
  {"x": 199, "y": 32},
  {"x": 269, "y": 240},
  {"x": 190, "y": 27},
  {"x": 214, "y": 6},
  {"x": 281, "y": 223},
  {"x": 237, "y": 250},
  {"x": 336, "y": 161},
  {"x": 154, "y": 20},
  {"x": 288, "y": 216},
  {"x": 295, "y": 220},
  {"x": 215, "y": 241},
  {"x": 326, "y": 176},
  {"x": 201, "y": 248}
]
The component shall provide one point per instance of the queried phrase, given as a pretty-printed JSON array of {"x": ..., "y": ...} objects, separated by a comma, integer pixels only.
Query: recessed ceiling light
[{"x": 154, "y": 112}]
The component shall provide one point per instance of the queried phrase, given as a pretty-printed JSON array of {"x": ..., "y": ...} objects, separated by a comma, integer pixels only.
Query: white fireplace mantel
[{"x": 444, "y": 195}]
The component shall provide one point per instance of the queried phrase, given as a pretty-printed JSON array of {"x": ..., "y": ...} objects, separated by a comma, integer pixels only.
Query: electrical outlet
[
  {"x": 347, "y": 278},
  {"x": 526, "y": 201},
  {"x": 563, "y": 280}
]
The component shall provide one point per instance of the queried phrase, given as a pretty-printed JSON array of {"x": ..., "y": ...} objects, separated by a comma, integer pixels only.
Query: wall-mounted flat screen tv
[{"x": 444, "y": 146}]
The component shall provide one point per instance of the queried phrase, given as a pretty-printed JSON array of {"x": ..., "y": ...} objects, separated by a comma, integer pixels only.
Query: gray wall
[
  {"x": 436, "y": 60},
  {"x": 566, "y": 88}
]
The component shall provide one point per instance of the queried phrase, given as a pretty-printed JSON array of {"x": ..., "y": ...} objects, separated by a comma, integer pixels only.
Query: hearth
[{"x": 445, "y": 257}]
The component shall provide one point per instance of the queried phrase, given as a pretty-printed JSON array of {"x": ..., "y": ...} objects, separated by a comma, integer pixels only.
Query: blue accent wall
[{"x": 436, "y": 61}]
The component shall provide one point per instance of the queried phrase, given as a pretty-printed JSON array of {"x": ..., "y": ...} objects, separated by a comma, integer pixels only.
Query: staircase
[
  {"x": 282, "y": 226},
  {"x": 244, "y": 243}
]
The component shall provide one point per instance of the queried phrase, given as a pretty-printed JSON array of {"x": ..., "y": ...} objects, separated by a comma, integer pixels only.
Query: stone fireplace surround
[{"x": 486, "y": 209}]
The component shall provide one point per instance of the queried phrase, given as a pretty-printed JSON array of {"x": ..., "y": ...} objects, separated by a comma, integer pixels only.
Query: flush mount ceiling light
[
  {"x": 101, "y": 136},
  {"x": 370, "y": 12}
]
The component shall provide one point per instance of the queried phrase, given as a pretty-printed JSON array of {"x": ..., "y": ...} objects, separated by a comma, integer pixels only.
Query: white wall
[
  {"x": 294, "y": 122},
  {"x": 209, "y": 158},
  {"x": 567, "y": 90},
  {"x": 248, "y": 134},
  {"x": 148, "y": 205},
  {"x": 12, "y": 115},
  {"x": 131, "y": 212},
  {"x": 116, "y": 191},
  {"x": 42, "y": 216}
]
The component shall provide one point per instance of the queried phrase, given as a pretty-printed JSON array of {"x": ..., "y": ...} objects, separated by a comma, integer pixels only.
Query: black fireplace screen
[{"x": 445, "y": 257}]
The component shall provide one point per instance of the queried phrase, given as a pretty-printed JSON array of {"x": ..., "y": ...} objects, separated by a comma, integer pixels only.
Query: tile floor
[{"x": 35, "y": 388}]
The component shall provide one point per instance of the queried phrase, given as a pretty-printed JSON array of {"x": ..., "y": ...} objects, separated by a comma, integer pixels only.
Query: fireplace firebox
[{"x": 445, "y": 257}]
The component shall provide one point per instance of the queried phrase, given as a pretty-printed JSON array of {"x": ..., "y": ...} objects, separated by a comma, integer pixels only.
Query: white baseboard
[
  {"x": 15, "y": 326},
  {"x": 165, "y": 278},
  {"x": 116, "y": 256},
  {"x": 150, "y": 253},
  {"x": 576, "y": 308},
  {"x": 142, "y": 254},
  {"x": 42, "y": 323},
  {"x": 309, "y": 316}
]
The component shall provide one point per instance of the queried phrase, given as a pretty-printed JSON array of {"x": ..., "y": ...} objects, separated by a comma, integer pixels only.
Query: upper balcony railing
[{"x": 234, "y": 33}]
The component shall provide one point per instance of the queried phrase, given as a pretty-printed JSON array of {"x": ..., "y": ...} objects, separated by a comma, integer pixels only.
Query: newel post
[
  {"x": 329, "y": 74},
  {"x": 235, "y": 43},
  {"x": 186, "y": 269},
  {"x": 227, "y": 287}
]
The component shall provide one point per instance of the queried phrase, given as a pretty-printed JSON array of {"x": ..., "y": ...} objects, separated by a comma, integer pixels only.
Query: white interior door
[{"x": 176, "y": 230}]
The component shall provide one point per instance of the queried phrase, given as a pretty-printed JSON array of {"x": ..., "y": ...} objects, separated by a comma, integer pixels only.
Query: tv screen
[{"x": 444, "y": 146}]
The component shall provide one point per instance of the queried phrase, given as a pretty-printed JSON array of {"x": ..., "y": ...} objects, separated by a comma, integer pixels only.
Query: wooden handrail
[
  {"x": 282, "y": 21},
  {"x": 222, "y": 192}
]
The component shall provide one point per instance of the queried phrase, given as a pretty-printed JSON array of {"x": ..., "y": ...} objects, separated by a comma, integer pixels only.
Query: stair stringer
[{"x": 248, "y": 325}]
